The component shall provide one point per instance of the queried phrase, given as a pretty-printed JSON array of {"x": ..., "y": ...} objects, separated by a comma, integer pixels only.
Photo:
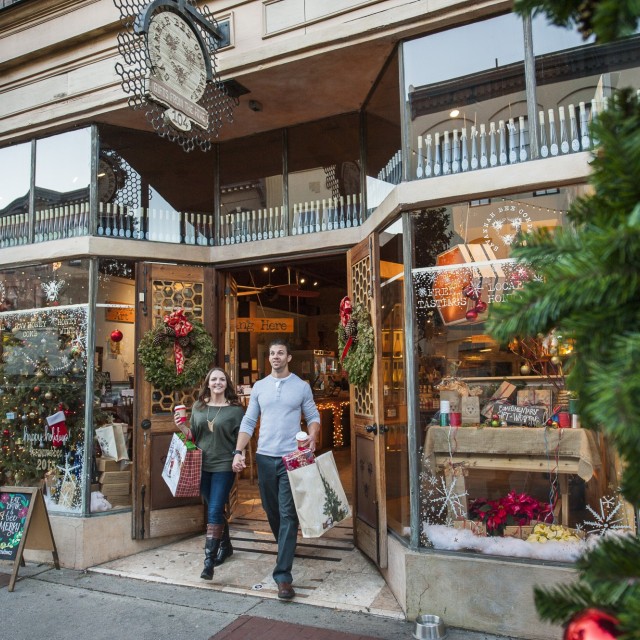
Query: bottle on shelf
[
  {"x": 474, "y": 147},
  {"x": 553, "y": 136},
  {"x": 419, "y": 167},
  {"x": 503, "y": 142},
  {"x": 523, "y": 139},
  {"x": 428, "y": 166},
  {"x": 296, "y": 216},
  {"x": 573, "y": 129},
  {"x": 455, "y": 152},
  {"x": 349, "y": 212},
  {"x": 544, "y": 147},
  {"x": 325, "y": 216},
  {"x": 584, "y": 127},
  {"x": 493, "y": 152},
  {"x": 564, "y": 136},
  {"x": 484, "y": 160},
  {"x": 464, "y": 151},
  {"x": 437, "y": 167}
]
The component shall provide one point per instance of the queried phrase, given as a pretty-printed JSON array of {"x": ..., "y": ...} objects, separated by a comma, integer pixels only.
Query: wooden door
[
  {"x": 161, "y": 289},
  {"x": 367, "y": 433}
]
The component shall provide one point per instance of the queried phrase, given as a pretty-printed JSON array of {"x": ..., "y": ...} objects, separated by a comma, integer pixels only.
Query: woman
[{"x": 215, "y": 420}]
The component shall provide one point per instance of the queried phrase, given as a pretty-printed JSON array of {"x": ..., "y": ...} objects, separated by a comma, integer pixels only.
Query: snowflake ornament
[
  {"x": 440, "y": 493},
  {"x": 607, "y": 519}
]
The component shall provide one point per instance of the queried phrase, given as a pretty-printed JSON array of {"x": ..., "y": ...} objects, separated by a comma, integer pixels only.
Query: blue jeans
[
  {"x": 277, "y": 501},
  {"x": 215, "y": 487}
]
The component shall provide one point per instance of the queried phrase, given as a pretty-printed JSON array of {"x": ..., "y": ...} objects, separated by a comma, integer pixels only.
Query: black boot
[
  {"x": 226, "y": 550},
  {"x": 211, "y": 547}
]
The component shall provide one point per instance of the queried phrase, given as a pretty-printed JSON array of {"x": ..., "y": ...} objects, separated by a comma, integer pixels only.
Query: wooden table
[{"x": 542, "y": 450}]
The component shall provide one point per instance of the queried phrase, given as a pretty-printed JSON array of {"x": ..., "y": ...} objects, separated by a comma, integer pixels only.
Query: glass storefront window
[
  {"x": 42, "y": 387},
  {"x": 141, "y": 189},
  {"x": 469, "y": 110},
  {"x": 252, "y": 189},
  {"x": 383, "y": 138},
  {"x": 496, "y": 459},
  {"x": 15, "y": 183},
  {"x": 63, "y": 168},
  {"x": 394, "y": 392},
  {"x": 324, "y": 175}
]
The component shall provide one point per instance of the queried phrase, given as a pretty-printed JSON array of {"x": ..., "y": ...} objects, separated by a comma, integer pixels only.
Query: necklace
[{"x": 211, "y": 422}]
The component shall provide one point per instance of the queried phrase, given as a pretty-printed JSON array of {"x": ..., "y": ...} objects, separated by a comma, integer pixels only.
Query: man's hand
[{"x": 239, "y": 462}]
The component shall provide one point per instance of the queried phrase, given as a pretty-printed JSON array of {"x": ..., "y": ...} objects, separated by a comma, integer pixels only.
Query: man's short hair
[{"x": 280, "y": 342}]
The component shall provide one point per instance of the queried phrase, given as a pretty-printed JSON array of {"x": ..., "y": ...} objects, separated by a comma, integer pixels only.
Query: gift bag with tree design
[{"x": 320, "y": 500}]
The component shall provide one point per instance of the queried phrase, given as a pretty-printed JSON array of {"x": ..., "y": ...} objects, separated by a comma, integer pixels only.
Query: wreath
[
  {"x": 355, "y": 342},
  {"x": 177, "y": 353}
]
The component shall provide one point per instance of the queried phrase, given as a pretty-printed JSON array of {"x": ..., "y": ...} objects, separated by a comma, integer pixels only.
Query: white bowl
[{"x": 429, "y": 627}]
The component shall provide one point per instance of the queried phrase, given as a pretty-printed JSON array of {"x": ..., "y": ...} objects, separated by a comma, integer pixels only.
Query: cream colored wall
[{"x": 473, "y": 592}]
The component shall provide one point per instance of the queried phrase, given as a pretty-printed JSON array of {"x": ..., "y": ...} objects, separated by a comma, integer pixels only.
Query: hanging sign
[
  {"x": 264, "y": 325},
  {"x": 24, "y": 524}
]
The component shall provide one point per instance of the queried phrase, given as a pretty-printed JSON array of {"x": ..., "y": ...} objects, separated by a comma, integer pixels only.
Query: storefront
[{"x": 408, "y": 200}]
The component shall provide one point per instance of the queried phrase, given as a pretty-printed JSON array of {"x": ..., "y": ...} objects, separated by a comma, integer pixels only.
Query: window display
[{"x": 505, "y": 465}]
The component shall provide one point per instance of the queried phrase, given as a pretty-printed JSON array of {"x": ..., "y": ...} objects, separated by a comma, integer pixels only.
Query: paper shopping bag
[
  {"x": 183, "y": 467},
  {"x": 320, "y": 500},
  {"x": 111, "y": 439}
]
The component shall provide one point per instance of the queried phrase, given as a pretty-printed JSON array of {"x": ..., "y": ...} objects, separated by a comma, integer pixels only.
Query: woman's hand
[{"x": 239, "y": 462}]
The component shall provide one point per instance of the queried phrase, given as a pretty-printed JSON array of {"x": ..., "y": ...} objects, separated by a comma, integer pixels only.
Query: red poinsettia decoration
[
  {"x": 592, "y": 624},
  {"x": 513, "y": 509}
]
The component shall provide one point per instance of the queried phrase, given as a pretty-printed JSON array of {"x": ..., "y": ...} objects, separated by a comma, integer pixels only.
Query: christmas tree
[
  {"x": 42, "y": 403},
  {"x": 333, "y": 507},
  {"x": 589, "y": 291}
]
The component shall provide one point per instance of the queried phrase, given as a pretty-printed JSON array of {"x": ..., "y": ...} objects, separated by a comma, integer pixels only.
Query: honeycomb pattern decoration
[
  {"x": 168, "y": 295},
  {"x": 361, "y": 282}
]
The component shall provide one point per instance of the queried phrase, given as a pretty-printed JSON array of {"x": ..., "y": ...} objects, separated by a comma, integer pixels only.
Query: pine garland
[
  {"x": 156, "y": 356},
  {"x": 358, "y": 363}
]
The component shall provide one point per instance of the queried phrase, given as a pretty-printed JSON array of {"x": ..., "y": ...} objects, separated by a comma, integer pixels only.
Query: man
[{"x": 279, "y": 400}]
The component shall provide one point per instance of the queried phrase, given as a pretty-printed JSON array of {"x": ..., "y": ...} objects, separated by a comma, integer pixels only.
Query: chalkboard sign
[
  {"x": 14, "y": 508},
  {"x": 529, "y": 416},
  {"x": 24, "y": 524}
]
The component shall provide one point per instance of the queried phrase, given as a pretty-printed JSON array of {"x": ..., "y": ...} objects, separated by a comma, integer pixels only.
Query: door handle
[
  {"x": 372, "y": 428},
  {"x": 145, "y": 425}
]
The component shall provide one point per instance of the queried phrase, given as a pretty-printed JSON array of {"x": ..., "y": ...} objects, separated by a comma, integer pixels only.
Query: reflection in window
[
  {"x": 497, "y": 458},
  {"x": 324, "y": 175},
  {"x": 15, "y": 180},
  {"x": 43, "y": 371}
]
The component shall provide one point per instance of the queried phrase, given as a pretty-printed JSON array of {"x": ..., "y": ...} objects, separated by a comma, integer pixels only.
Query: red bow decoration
[
  {"x": 181, "y": 327},
  {"x": 349, "y": 324}
]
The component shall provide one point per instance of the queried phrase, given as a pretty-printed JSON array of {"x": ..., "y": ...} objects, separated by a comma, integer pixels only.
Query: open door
[
  {"x": 161, "y": 289},
  {"x": 366, "y": 407}
]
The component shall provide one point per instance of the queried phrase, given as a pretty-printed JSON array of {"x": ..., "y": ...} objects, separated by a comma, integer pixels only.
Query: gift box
[
  {"x": 502, "y": 394},
  {"x": 535, "y": 397},
  {"x": 477, "y": 528},
  {"x": 298, "y": 458},
  {"x": 470, "y": 409},
  {"x": 450, "y": 283}
]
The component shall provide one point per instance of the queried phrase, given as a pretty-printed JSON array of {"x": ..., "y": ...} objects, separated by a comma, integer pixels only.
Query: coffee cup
[
  {"x": 181, "y": 411},
  {"x": 301, "y": 437}
]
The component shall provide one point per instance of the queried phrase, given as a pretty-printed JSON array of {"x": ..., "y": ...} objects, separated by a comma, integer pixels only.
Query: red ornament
[
  {"x": 481, "y": 306},
  {"x": 592, "y": 624},
  {"x": 5, "y": 433},
  {"x": 471, "y": 315},
  {"x": 116, "y": 335}
]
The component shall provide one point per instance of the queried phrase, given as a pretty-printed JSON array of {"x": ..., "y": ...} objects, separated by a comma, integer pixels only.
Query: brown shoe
[{"x": 285, "y": 591}]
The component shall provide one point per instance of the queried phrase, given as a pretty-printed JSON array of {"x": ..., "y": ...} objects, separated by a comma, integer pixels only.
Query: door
[
  {"x": 161, "y": 289},
  {"x": 367, "y": 430}
]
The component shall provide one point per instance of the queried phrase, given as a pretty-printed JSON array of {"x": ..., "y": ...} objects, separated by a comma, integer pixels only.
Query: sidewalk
[{"x": 57, "y": 605}]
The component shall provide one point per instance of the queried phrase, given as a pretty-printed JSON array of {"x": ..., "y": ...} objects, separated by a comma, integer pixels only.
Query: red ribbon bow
[
  {"x": 182, "y": 327},
  {"x": 346, "y": 308}
]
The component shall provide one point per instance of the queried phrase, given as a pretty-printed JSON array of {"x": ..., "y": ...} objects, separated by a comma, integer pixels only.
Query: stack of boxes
[{"x": 115, "y": 481}]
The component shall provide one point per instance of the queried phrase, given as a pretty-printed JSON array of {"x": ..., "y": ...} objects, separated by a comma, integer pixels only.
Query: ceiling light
[
  {"x": 315, "y": 284},
  {"x": 265, "y": 268},
  {"x": 302, "y": 280},
  {"x": 455, "y": 113}
]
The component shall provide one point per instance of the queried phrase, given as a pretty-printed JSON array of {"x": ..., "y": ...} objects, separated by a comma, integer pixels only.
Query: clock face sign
[
  {"x": 107, "y": 182},
  {"x": 176, "y": 56}
]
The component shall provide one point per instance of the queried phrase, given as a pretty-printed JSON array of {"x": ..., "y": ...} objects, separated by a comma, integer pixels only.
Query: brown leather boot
[{"x": 212, "y": 544}]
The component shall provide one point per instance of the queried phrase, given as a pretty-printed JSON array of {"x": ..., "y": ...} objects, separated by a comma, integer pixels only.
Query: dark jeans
[
  {"x": 277, "y": 501},
  {"x": 215, "y": 487}
]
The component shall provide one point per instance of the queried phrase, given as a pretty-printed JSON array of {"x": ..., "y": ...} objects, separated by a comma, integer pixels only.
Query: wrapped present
[
  {"x": 470, "y": 409},
  {"x": 477, "y": 528},
  {"x": 502, "y": 394},
  {"x": 298, "y": 458},
  {"x": 522, "y": 532}
]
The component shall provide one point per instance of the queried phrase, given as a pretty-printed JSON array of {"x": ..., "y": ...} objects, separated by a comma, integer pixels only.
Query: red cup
[
  {"x": 301, "y": 437},
  {"x": 564, "y": 420},
  {"x": 455, "y": 419},
  {"x": 181, "y": 411}
]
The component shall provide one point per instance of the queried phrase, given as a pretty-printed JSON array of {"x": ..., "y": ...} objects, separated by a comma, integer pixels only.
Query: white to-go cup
[
  {"x": 301, "y": 437},
  {"x": 181, "y": 411}
]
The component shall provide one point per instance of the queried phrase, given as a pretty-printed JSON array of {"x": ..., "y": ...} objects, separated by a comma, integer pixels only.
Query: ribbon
[
  {"x": 181, "y": 327},
  {"x": 346, "y": 309}
]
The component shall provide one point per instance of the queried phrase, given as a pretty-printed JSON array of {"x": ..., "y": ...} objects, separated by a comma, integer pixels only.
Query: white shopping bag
[
  {"x": 320, "y": 500},
  {"x": 112, "y": 441}
]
